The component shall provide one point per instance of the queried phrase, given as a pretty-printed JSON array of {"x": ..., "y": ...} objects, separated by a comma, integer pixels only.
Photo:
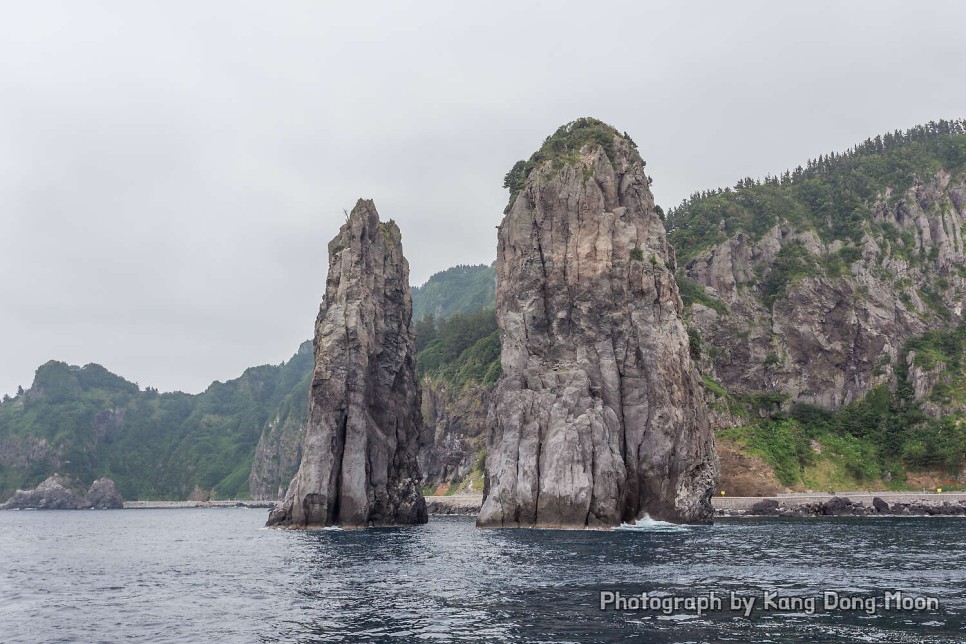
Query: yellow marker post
[
  {"x": 722, "y": 492},
  {"x": 939, "y": 490}
]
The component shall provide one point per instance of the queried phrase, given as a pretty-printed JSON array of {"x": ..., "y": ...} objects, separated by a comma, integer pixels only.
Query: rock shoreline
[
  {"x": 469, "y": 505},
  {"x": 63, "y": 493},
  {"x": 466, "y": 505},
  {"x": 839, "y": 506}
]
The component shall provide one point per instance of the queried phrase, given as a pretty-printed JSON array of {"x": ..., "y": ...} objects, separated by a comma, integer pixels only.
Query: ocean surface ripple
[{"x": 217, "y": 575}]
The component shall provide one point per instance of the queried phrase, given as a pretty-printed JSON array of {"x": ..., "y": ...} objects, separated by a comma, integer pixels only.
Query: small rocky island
[
  {"x": 64, "y": 493},
  {"x": 359, "y": 465},
  {"x": 599, "y": 416}
]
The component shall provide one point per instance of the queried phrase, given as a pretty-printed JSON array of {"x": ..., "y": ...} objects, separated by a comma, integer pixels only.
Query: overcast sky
[{"x": 170, "y": 173}]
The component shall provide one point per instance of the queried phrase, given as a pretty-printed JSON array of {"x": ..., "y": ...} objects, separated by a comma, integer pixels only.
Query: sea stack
[
  {"x": 359, "y": 453},
  {"x": 598, "y": 418}
]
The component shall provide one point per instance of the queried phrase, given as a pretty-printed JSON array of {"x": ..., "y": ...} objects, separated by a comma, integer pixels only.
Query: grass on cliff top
[
  {"x": 563, "y": 146},
  {"x": 831, "y": 195}
]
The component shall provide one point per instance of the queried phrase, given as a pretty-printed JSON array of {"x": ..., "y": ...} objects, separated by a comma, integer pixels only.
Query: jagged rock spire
[
  {"x": 599, "y": 416},
  {"x": 359, "y": 453}
]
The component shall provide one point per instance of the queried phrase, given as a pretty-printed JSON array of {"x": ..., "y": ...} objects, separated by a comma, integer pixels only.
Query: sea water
[{"x": 217, "y": 575}]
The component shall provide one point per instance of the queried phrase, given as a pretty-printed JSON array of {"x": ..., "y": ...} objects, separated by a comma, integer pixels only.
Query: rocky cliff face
[
  {"x": 277, "y": 457},
  {"x": 279, "y": 449},
  {"x": 599, "y": 416},
  {"x": 836, "y": 325},
  {"x": 358, "y": 463},
  {"x": 454, "y": 432}
]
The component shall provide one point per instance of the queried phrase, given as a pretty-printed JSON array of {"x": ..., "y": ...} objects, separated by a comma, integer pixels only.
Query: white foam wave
[{"x": 647, "y": 524}]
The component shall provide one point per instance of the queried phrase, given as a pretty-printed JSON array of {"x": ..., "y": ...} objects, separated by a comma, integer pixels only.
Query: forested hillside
[
  {"x": 826, "y": 305},
  {"x": 87, "y": 422},
  {"x": 461, "y": 289}
]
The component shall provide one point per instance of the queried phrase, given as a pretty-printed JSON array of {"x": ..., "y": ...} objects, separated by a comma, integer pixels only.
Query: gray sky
[{"x": 170, "y": 173}]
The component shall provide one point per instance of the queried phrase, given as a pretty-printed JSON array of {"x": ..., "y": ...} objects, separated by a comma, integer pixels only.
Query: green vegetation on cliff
[
  {"x": 87, "y": 422},
  {"x": 830, "y": 195},
  {"x": 456, "y": 336},
  {"x": 883, "y": 436},
  {"x": 691, "y": 292},
  {"x": 460, "y": 349},
  {"x": 563, "y": 146}
]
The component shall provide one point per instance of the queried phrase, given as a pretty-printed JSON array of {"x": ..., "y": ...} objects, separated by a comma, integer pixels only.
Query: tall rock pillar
[
  {"x": 359, "y": 453},
  {"x": 598, "y": 417}
]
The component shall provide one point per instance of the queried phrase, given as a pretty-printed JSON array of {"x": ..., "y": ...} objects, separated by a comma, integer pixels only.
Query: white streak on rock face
[
  {"x": 599, "y": 417},
  {"x": 359, "y": 454}
]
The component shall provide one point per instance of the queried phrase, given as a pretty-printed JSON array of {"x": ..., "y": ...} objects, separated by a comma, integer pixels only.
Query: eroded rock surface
[
  {"x": 55, "y": 493},
  {"x": 828, "y": 338},
  {"x": 59, "y": 492},
  {"x": 599, "y": 415},
  {"x": 104, "y": 495},
  {"x": 358, "y": 464},
  {"x": 453, "y": 433},
  {"x": 279, "y": 449}
]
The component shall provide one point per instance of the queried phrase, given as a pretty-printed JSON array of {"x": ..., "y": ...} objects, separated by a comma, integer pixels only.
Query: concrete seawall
[{"x": 178, "y": 505}]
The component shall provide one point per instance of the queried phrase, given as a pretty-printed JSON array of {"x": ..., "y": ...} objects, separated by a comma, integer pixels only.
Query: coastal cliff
[
  {"x": 359, "y": 465},
  {"x": 834, "y": 325},
  {"x": 825, "y": 307},
  {"x": 598, "y": 417},
  {"x": 811, "y": 283}
]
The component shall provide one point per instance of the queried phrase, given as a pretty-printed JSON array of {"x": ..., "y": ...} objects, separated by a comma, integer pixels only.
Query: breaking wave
[{"x": 647, "y": 524}]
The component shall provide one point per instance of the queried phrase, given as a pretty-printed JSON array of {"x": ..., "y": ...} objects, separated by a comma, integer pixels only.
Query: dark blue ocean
[{"x": 217, "y": 575}]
